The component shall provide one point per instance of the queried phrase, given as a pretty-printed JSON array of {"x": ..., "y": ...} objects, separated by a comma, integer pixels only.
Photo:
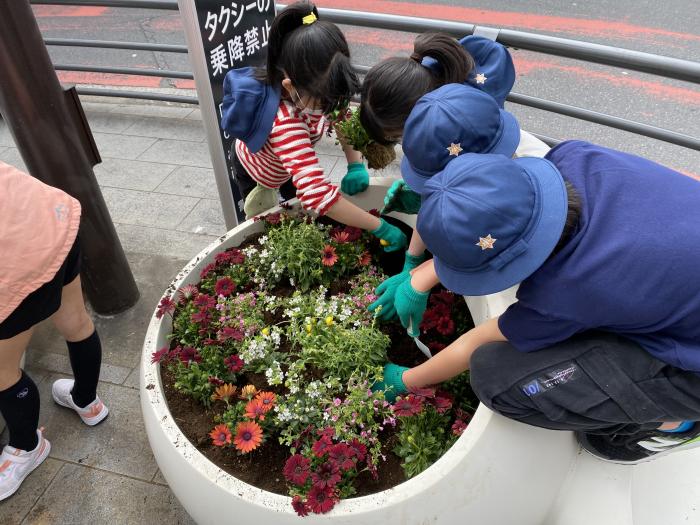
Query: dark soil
[{"x": 263, "y": 467}]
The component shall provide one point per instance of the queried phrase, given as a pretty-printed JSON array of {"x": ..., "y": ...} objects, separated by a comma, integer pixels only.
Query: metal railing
[{"x": 667, "y": 67}]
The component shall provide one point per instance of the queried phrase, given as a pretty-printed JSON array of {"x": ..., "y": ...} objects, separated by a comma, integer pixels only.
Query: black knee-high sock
[
  {"x": 85, "y": 360},
  {"x": 19, "y": 405}
]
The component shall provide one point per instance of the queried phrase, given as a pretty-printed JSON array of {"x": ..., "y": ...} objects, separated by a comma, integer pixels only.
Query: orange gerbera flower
[
  {"x": 255, "y": 410},
  {"x": 248, "y": 436},
  {"x": 328, "y": 256},
  {"x": 224, "y": 392},
  {"x": 248, "y": 392},
  {"x": 364, "y": 259},
  {"x": 221, "y": 435},
  {"x": 267, "y": 399}
]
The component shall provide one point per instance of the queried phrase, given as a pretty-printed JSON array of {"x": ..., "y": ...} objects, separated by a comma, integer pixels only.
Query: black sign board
[{"x": 234, "y": 35}]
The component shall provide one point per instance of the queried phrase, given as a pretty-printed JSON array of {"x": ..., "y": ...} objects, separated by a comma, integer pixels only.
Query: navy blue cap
[
  {"x": 249, "y": 108},
  {"x": 448, "y": 122},
  {"x": 490, "y": 221},
  {"x": 493, "y": 72}
]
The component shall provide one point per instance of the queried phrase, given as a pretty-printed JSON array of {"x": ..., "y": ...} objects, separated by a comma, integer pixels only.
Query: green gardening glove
[
  {"x": 392, "y": 384},
  {"x": 391, "y": 237},
  {"x": 413, "y": 261},
  {"x": 401, "y": 198},
  {"x": 356, "y": 180},
  {"x": 387, "y": 292},
  {"x": 410, "y": 305}
]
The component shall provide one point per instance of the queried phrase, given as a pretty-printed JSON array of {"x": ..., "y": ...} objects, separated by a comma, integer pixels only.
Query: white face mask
[{"x": 299, "y": 104}]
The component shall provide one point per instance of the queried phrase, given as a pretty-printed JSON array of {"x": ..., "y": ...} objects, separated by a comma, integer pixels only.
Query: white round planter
[{"x": 498, "y": 472}]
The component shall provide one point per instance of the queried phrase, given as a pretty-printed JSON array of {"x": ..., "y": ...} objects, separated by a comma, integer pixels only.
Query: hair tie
[
  {"x": 416, "y": 57},
  {"x": 309, "y": 19}
]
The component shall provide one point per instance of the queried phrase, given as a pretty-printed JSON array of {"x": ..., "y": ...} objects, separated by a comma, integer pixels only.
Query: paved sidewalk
[{"x": 157, "y": 180}]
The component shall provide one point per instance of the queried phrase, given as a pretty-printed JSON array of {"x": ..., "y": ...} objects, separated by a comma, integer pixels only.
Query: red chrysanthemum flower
[
  {"x": 327, "y": 475},
  {"x": 375, "y": 212},
  {"x": 187, "y": 292},
  {"x": 248, "y": 436},
  {"x": 407, "y": 406},
  {"x": 201, "y": 317},
  {"x": 228, "y": 332},
  {"x": 354, "y": 233},
  {"x": 300, "y": 506},
  {"x": 445, "y": 326},
  {"x": 359, "y": 450},
  {"x": 213, "y": 380},
  {"x": 221, "y": 435},
  {"x": 342, "y": 455},
  {"x": 160, "y": 355},
  {"x": 442, "y": 402},
  {"x": 166, "y": 306},
  {"x": 267, "y": 399},
  {"x": 234, "y": 363},
  {"x": 320, "y": 500},
  {"x": 328, "y": 432},
  {"x": 189, "y": 355},
  {"x": 255, "y": 410},
  {"x": 206, "y": 270},
  {"x": 225, "y": 286},
  {"x": 236, "y": 256},
  {"x": 273, "y": 218},
  {"x": 341, "y": 237},
  {"x": 321, "y": 446},
  {"x": 424, "y": 392},
  {"x": 429, "y": 321},
  {"x": 204, "y": 301},
  {"x": 458, "y": 427},
  {"x": 444, "y": 296},
  {"x": 364, "y": 258},
  {"x": 296, "y": 469},
  {"x": 328, "y": 256}
]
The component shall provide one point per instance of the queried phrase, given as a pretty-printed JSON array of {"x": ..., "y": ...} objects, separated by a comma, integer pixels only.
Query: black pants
[
  {"x": 596, "y": 382},
  {"x": 246, "y": 183}
]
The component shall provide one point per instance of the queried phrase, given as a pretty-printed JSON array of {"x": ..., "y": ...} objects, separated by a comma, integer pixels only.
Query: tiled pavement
[{"x": 157, "y": 180}]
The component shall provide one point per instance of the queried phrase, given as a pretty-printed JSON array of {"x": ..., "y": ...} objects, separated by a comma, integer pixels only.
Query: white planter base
[{"x": 498, "y": 472}]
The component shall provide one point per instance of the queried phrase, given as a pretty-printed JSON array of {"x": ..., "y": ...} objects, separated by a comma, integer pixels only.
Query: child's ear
[{"x": 287, "y": 84}]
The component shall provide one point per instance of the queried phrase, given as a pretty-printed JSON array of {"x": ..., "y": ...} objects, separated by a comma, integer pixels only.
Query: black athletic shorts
[{"x": 43, "y": 302}]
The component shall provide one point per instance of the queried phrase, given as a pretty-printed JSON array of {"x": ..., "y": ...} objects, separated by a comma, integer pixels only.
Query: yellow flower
[
  {"x": 248, "y": 391},
  {"x": 329, "y": 320},
  {"x": 384, "y": 242},
  {"x": 266, "y": 331},
  {"x": 308, "y": 328}
]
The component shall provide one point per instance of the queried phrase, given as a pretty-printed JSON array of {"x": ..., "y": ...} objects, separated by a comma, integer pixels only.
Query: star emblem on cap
[
  {"x": 455, "y": 149},
  {"x": 481, "y": 78},
  {"x": 486, "y": 243}
]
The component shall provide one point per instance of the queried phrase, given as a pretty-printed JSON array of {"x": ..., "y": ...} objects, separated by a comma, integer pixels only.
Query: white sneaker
[
  {"x": 16, "y": 464},
  {"x": 91, "y": 414}
]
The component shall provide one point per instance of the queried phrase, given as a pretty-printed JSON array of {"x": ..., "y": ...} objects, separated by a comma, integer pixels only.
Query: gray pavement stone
[
  {"x": 60, "y": 363},
  {"x": 12, "y": 156},
  {"x": 195, "y": 115},
  {"x": 161, "y": 110},
  {"x": 167, "y": 128},
  {"x": 118, "y": 444},
  {"x": 122, "y": 146},
  {"x": 206, "y": 217},
  {"x": 92, "y": 106},
  {"x": 147, "y": 209},
  {"x": 159, "y": 241},
  {"x": 14, "y": 509},
  {"x": 178, "y": 152},
  {"x": 6, "y": 139},
  {"x": 105, "y": 498},
  {"x": 158, "y": 478},
  {"x": 132, "y": 381},
  {"x": 102, "y": 122},
  {"x": 190, "y": 181},
  {"x": 132, "y": 174}
]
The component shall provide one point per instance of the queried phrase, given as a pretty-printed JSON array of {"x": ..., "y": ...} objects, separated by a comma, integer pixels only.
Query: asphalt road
[{"x": 668, "y": 28}]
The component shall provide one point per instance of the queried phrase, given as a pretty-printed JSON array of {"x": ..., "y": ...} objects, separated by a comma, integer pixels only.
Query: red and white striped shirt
[{"x": 289, "y": 152}]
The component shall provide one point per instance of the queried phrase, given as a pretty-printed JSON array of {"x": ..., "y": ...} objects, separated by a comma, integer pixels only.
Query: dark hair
[
  {"x": 573, "y": 214},
  {"x": 315, "y": 57},
  {"x": 392, "y": 87}
]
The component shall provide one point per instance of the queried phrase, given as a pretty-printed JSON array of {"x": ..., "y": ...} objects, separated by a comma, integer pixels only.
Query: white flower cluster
[{"x": 274, "y": 374}]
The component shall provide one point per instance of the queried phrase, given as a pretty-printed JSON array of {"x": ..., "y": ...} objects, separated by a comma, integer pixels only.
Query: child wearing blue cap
[
  {"x": 446, "y": 123},
  {"x": 277, "y": 115},
  {"x": 604, "y": 339}
]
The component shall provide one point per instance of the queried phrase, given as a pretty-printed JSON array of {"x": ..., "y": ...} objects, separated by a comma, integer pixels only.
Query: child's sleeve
[
  {"x": 529, "y": 330},
  {"x": 291, "y": 142}
]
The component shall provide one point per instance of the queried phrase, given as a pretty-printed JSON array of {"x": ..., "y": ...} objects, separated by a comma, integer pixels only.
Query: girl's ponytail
[
  {"x": 392, "y": 87},
  {"x": 289, "y": 19}
]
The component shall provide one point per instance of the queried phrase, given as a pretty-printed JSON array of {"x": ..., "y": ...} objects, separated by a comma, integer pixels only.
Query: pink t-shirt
[{"x": 38, "y": 226}]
